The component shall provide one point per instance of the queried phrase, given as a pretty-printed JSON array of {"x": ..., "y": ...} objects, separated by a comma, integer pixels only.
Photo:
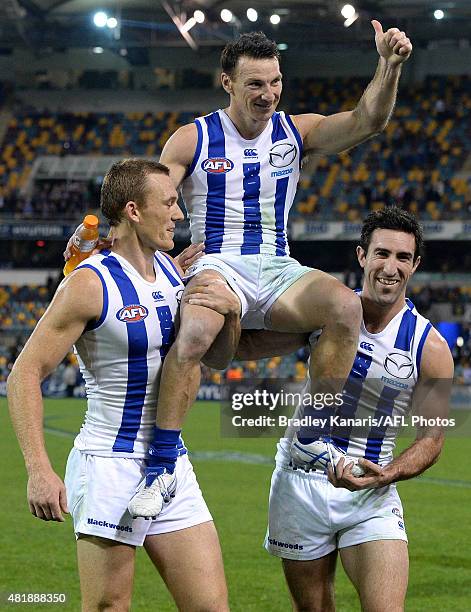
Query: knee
[
  {"x": 110, "y": 604},
  {"x": 322, "y": 601},
  {"x": 345, "y": 307}
]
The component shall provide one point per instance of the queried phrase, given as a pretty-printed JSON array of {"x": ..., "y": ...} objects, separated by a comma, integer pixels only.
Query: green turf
[{"x": 40, "y": 557}]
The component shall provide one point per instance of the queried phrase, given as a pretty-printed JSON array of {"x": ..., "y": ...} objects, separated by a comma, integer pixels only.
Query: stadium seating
[{"x": 415, "y": 162}]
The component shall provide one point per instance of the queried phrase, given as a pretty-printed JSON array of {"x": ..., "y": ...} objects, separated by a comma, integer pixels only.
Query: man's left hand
[
  {"x": 393, "y": 44},
  {"x": 373, "y": 478}
]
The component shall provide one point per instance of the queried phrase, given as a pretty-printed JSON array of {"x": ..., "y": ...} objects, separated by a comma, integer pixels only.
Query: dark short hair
[
  {"x": 393, "y": 218},
  {"x": 126, "y": 181},
  {"x": 253, "y": 44}
]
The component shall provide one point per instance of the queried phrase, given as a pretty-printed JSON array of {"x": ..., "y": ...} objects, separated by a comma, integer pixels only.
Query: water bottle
[{"x": 84, "y": 240}]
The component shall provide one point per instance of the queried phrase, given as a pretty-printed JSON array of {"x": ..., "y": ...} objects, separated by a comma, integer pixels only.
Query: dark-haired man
[
  {"x": 239, "y": 169},
  {"x": 402, "y": 364},
  {"x": 118, "y": 308}
]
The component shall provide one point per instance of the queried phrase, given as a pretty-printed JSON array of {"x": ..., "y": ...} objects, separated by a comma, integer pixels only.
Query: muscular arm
[
  {"x": 431, "y": 401},
  {"x": 339, "y": 132},
  {"x": 179, "y": 151},
  {"x": 77, "y": 301}
]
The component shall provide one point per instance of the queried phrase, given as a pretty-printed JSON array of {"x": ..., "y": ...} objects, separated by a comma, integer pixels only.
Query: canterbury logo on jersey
[
  {"x": 250, "y": 153},
  {"x": 217, "y": 165},
  {"x": 367, "y": 346},
  {"x": 132, "y": 314}
]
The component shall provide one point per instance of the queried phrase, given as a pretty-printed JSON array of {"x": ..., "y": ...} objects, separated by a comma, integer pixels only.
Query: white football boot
[
  {"x": 319, "y": 454},
  {"x": 147, "y": 502}
]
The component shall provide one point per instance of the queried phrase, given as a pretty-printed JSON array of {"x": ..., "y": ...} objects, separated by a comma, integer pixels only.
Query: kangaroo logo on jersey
[
  {"x": 217, "y": 165},
  {"x": 398, "y": 365},
  {"x": 132, "y": 314},
  {"x": 282, "y": 154}
]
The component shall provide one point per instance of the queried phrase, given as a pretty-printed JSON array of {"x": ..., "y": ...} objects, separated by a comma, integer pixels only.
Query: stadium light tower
[
  {"x": 275, "y": 19},
  {"x": 100, "y": 18},
  {"x": 438, "y": 14}
]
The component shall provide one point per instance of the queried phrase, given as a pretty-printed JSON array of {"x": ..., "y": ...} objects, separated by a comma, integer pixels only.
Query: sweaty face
[
  {"x": 388, "y": 265},
  {"x": 255, "y": 87},
  {"x": 159, "y": 213}
]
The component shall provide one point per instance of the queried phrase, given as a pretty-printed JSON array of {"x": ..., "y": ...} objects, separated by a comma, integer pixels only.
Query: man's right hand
[
  {"x": 47, "y": 497},
  {"x": 215, "y": 294},
  {"x": 103, "y": 243}
]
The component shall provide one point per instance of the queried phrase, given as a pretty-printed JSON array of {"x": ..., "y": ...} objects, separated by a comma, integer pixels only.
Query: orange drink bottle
[{"x": 84, "y": 241}]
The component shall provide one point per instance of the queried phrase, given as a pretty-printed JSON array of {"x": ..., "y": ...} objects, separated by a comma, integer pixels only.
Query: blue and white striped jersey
[
  {"x": 378, "y": 392},
  {"x": 380, "y": 385},
  {"x": 238, "y": 192},
  {"x": 121, "y": 355}
]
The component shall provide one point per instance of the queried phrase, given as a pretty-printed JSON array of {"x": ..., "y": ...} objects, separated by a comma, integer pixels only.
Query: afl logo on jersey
[
  {"x": 282, "y": 154},
  {"x": 398, "y": 365},
  {"x": 132, "y": 314},
  {"x": 217, "y": 165}
]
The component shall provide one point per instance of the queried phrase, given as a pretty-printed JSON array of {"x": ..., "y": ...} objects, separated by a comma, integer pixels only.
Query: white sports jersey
[
  {"x": 238, "y": 192},
  {"x": 120, "y": 356},
  {"x": 379, "y": 389}
]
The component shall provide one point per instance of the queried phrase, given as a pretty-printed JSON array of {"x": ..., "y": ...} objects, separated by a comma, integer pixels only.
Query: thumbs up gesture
[{"x": 393, "y": 44}]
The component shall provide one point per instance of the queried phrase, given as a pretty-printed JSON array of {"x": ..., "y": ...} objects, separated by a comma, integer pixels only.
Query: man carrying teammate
[
  {"x": 402, "y": 364},
  {"x": 239, "y": 169},
  {"x": 119, "y": 309}
]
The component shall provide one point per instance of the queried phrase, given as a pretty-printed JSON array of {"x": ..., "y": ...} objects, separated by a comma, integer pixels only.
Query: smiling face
[
  {"x": 388, "y": 265},
  {"x": 254, "y": 87},
  {"x": 159, "y": 213}
]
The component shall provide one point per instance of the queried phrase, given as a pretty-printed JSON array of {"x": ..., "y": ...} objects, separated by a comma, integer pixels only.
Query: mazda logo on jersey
[
  {"x": 282, "y": 155},
  {"x": 217, "y": 165},
  {"x": 132, "y": 314},
  {"x": 398, "y": 365}
]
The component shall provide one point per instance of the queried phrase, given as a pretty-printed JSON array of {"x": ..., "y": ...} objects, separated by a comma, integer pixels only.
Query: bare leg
[
  {"x": 379, "y": 571},
  {"x": 311, "y": 583},
  {"x": 319, "y": 301},
  {"x": 199, "y": 327},
  {"x": 106, "y": 570},
  {"x": 190, "y": 563}
]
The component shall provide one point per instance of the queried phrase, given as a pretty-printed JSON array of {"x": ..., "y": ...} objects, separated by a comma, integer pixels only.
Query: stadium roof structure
[{"x": 58, "y": 24}]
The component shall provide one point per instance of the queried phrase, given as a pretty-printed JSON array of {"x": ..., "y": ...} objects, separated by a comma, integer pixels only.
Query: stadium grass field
[{"x": 39, "y": 557}]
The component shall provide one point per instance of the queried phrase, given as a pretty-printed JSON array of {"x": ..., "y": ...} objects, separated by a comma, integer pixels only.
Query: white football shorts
[
  {"x": 258, "y": 281},
  {"x": 99, "y": 490},
  {"x": 309, "y": 518}
]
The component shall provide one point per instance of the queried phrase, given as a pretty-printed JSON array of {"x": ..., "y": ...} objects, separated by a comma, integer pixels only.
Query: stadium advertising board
[{"x": 343, "y": 230}]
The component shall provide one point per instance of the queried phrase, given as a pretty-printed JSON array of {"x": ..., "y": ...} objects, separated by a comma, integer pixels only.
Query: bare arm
[
  {"x": 431, "y": 401},
  {"x": 339, "y": 132},
  {"x": 261, "y": 343},
  {"x": 179, "y": 151},
  {"x": 77, "y": 300}
]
